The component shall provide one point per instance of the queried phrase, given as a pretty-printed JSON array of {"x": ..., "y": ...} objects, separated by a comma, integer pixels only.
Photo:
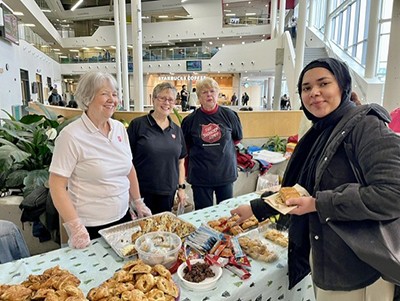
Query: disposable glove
[
  {"x": 140, "y": 208},
  {"x": 78, "y": 235}
]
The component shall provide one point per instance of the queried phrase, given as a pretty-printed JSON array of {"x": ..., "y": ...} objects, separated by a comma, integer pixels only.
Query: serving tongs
[{"x": 228, "y": 227}]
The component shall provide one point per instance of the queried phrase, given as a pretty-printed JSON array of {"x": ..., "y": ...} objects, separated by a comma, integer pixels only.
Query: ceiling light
[
  {"x": 18, "y": 13},
  {"x": 76, "y": 5},
  {"x": 250, "y": 14},
  {"x": 74, "y": 50},
  {"x": 230, "y": 15},
  {"x": 46, "y": 10},
  {"x": 56, "y": 49},
  {"x": 29, "y": 25},
  {"x": 163, "y": 17}
]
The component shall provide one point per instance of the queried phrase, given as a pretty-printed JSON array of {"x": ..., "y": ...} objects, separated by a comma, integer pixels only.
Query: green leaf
[
  {"x": 11, "y": 151},
  {"x": 34, "y": 179},
  {"x": 49, "y": 114},
  {"x": 179, "y": 116},
  {"x": 16, "y": 178}
]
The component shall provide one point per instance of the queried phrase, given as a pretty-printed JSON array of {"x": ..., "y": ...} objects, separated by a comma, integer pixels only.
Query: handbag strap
[{"x": 348, "y": 147}]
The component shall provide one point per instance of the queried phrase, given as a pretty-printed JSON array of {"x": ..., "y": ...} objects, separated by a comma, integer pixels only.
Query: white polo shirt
[{"x": 97, "y": 169}]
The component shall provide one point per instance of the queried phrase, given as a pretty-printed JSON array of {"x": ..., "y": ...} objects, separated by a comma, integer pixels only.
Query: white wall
[{"x": 27, "y": 57}]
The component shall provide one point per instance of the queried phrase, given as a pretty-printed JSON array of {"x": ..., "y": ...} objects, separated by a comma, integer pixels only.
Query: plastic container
[{"x": 158, "y": 248}]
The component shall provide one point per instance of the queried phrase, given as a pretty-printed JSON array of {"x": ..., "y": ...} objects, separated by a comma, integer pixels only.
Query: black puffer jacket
[{"x": 363, "y": 133}]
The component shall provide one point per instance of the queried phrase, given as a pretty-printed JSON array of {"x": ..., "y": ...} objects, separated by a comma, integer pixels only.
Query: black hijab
[{"x": 302, "y": 166}]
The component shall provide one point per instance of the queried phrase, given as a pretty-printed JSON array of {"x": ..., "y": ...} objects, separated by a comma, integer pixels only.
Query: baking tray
[{"x": 119, "y": 236}]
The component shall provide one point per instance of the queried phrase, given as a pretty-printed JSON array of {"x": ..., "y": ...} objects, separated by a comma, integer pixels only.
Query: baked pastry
[
  {"x": 256, "y": 249},
  {"x": 277, "y": 237},
  {"x": 286, "y": 193}
]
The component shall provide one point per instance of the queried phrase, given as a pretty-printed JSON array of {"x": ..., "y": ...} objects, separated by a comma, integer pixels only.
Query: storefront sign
[{"x": 181, "y": 77}]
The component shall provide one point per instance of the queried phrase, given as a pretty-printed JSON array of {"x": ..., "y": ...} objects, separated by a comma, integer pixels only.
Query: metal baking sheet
[{"x": 119, "y": 236}]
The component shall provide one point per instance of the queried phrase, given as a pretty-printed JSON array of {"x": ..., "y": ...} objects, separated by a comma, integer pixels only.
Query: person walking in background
[
  {"x": 285, "y": 102},
  {"x": 55, "y": 99},
  {"x": 193, "y": 100},
  {"x": 234, "y": 99},
  {"x": 211, "y": 133},
  {"x": 107, "y": 55},
  {"x": 184, "y": 98},
  {"x": 158, "y": 151},
  {"x": 293, "y": 29},
  {"x": 92, "y": 180},
  {"x": 72, "y": 104},
  {"x": 343, "y": 136},
  {"x": 245, "y": 99}
]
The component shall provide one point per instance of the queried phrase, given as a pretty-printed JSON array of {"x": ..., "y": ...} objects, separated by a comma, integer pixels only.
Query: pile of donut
[
  {"x": 55, "y": 284},
  {"x": 137, "y": 281}
]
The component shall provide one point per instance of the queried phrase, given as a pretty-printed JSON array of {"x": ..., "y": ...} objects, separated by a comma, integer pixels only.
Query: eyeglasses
[{"x": 164, "y": 99}]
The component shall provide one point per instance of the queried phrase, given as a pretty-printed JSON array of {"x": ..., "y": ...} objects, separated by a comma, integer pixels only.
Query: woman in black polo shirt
[{"x": 158, "y": 150}]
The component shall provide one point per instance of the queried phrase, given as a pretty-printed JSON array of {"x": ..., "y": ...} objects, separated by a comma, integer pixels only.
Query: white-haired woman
[{"x": 92, "y": 178}]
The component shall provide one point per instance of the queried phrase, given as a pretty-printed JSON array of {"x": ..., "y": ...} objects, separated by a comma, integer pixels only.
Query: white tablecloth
[{"x": 98, "y": 262}]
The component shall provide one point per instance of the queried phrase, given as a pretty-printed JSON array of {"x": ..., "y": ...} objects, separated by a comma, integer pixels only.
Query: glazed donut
[
  {"x": 156, "y": 295},
  {"x": 130, "y": 264},
  {"x": 145, "y": 283},
  {"x": 123, "y": 276},
  {"x": 140, "y": 269},
  {"x": 167, "y": 286},
  {"x": 162, "y": 271},
  {"x": 133, "y": 295},
  {"x": 98, "y": 293},
  {"x": 122, "y": 287}
]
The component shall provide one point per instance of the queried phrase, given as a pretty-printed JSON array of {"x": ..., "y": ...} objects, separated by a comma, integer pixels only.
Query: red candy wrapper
[
  {"x": 216, "y": 260},
  {"x": 241, "y": 272},
  {"x": 242, "y": 262}
]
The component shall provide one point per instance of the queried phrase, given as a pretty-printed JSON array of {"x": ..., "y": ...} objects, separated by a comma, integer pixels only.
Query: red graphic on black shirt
[{"x": 210, "y": 133}]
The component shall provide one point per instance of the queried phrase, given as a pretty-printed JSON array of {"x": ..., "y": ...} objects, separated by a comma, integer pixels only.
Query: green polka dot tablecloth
[{"x": 98, "y": 262}]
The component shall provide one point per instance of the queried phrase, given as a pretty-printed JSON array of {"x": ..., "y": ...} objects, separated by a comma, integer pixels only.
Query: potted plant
[
  {"x": 275, "y": 144},
  {"x": 26, "y": 149}
]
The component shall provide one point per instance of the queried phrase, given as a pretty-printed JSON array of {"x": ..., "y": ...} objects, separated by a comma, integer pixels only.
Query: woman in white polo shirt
[{"x": 92, "y": 178}]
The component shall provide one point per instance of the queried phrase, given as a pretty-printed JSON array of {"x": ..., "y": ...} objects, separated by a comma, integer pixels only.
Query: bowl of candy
[
  {"x": 200, "y": 277},
  {"x": 158, "y": 248}
]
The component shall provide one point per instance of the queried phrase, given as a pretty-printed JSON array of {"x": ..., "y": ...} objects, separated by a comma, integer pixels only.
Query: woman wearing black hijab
[{"x": 320, "y": 163}]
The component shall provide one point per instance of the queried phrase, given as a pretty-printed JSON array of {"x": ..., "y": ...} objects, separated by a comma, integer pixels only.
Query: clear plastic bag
[{"x": 267, "y": 181}]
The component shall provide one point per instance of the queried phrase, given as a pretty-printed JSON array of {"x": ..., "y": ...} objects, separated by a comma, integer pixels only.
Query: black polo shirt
[{"x": 156, "y": 154}]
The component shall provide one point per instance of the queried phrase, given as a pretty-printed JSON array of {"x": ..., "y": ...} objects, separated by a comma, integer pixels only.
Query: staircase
[{"x": 311, "y": 54}]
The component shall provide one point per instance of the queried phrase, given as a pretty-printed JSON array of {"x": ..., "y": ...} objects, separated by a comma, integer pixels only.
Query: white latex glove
[
  {"x": 140, "y": 208},
  {"x": 78, "y": 235}
]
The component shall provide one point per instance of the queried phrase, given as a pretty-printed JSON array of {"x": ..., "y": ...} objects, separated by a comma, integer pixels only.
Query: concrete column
[
  {"x": 118, "y": 46},
  {"x": 391, "y": 99},
  {"x": 124, "y": 55},
  {"x": 274, "y": 11},
  {"x": 328, "y": 20},
  {"x": 300, "y": 42},
  {"x": 282, "y": 10},
  {"x": 373, "y": 37},
  {"x": 270, "y": 91},
  {"x": 311, "y": 13},
  {"x": 278, "y": 78},
  {"x": 136, "y": 13}
]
